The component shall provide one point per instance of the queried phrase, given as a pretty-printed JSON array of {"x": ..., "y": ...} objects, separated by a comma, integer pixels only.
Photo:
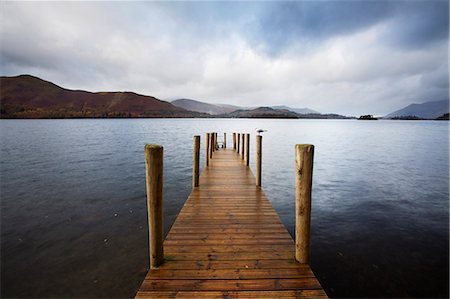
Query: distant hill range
[
  {"x": 26, "y": 96},
  {"x": 221, "y": 109},
  {"x": 230, "y": 111},
  {"x": 262, "y": 112},
  {"x": 297, "y": 110},
  {"x": 268, "y": 112},
  {"x": 427, "y": 110},
  {"x": 213, "y": 109}
]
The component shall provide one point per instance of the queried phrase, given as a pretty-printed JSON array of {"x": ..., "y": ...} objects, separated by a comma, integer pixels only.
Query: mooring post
[
  {"x": 247, "y": 148},
  {"x": 304, "y": 156},
  {"x": 154, "y": 184},
  {"x": 211, "y": 147},
  {"x": 238, "y": 141},
  {"x": 207, "y": 148},
  {"x": 234, "y": 141},
  {"x": 196, "y": 165},
  {"x": 242, "y": 146},
  {"x": 258, "y": 159},
  {"x": 224, "y": 140},
  {"x": 217, "y": 143}
]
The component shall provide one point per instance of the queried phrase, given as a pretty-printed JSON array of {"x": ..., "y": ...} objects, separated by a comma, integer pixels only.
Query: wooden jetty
[{"x": 228, "y": 241}]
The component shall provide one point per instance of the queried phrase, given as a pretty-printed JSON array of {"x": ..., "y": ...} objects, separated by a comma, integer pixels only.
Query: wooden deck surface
[{"x": 228, "y": 242}]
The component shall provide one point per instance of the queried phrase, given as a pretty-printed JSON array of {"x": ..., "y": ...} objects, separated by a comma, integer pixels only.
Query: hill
[
  {"x": 429, "y": 110},
  {"x": 203, "y": 107},
  {"x": 262, "y": 112},
  {"x": 269, "y": 112},
  {"x": 297, "y": 110},
  {"x": 445, "y": 116},
  {"x": 222, "y": 109},
  {"x": 26, "y": 96}
]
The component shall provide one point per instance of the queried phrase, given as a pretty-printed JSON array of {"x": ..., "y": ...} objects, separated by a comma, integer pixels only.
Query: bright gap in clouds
[{"x": 351, "y": 57}]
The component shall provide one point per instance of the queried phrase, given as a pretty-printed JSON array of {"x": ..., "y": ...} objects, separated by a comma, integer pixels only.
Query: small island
[{"x": 367, "y": 117}]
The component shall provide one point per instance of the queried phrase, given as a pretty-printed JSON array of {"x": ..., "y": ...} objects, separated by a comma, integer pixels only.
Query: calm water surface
[{"x": 73, "y": 205}]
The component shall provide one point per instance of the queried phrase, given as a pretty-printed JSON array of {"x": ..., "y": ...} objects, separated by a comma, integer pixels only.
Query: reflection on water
[{"x": 74, "y": 212}]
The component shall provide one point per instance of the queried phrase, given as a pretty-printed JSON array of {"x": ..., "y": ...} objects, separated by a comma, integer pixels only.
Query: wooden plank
[
  {"x": 205, "y": 256},
  {"x": 229, "y": 242},
  {"x": 309, "y": 283},
  {"x": 227, "y": 248},
  {"x": 233, "y": 294},
  {"x": 221, "y": 236},
  {"x": 231, "y": 273},
  {"x": 234, "y": 264}
]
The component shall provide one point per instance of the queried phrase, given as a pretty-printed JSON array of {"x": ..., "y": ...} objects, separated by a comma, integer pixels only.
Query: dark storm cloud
[
  {"x": 414, "y": 24},
  {"x": 419, "y": 24}
]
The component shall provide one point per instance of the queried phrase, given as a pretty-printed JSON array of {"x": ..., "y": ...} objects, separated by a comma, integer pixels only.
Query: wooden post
[
  {"x": 217, "y": 143},
  {"x": 224, "y": 140},
  {"x": 196, "y": 165},
  {"x": 238, "y": 141},
  {"x": 247, "y": 148},
  {"x": 208, "y": 136},
  {"x": 154, "y": 184},
  {"x": 234, "y": 141},
  {"x": 242, "y": 146},
  {"x": 304, "y": 156},
  {"x": 258, "y": 159},
  {"x": 211, "y": 141}
]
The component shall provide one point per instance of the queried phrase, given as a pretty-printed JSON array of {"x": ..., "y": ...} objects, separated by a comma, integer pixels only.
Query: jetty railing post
[
  {"x": 210, "y": 145},
  {"x": 242, "y": 146},
  {"x": 238, "y": 141},
  {"x": 213, "y": 142},
  {"x": 247, "y": 148},
  {"x": 196, "y": 165},
  {"x": 234, "y": 141},
  {"x": 258, "y": 159},
  {"x": 207, "y": 148},
  {"x": 224, "y": 140},
  {"x": 154, "y": 184},
  {"x": 304, "y": 156},
  {"x": 217, "y": 143}
]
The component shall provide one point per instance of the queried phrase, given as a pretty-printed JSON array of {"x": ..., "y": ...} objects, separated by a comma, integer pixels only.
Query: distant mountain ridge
[
  {"x": 220, "y": 109},
  {"x": 269, "y": 112},
  {"x": 262, "y": 112},
  {"x": 26, "y": 96},
  {"x": 203, "y": 107},
  {"x": 297, "y": 110},
  {"x": 430, "y": 110}
]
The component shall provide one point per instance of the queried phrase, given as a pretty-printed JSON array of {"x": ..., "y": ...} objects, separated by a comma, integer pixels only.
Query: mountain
[
  {"x": 26, "y": 96},
  {"x": 203, "y": 107},
  {"x": 296, "y": 110},
  {"x": 220, "y": 109},
  {"x": 429, "y": 110},
  {"x": 269, "y": 112},
  {"x": 229, "y": 107},
  {"x": 262, "y": 112}
]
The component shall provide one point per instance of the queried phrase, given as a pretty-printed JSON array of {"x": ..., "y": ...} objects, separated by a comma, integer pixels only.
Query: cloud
[
  {"x": 418, "y": 24},
  {"x": 347, "y": 57},
  {"x": 311, "y": 22},
  {"x": 411, "y": 23}
]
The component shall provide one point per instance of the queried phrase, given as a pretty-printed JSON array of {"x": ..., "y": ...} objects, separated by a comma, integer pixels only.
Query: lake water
[{"x": 73, "y": 203}]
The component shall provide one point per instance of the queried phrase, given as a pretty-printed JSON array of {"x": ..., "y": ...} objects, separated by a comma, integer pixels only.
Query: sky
[{"x": 347, "y": 57}]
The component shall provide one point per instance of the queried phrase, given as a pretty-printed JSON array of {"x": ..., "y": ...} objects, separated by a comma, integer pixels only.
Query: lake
[{"x": 74, "y": 216}]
